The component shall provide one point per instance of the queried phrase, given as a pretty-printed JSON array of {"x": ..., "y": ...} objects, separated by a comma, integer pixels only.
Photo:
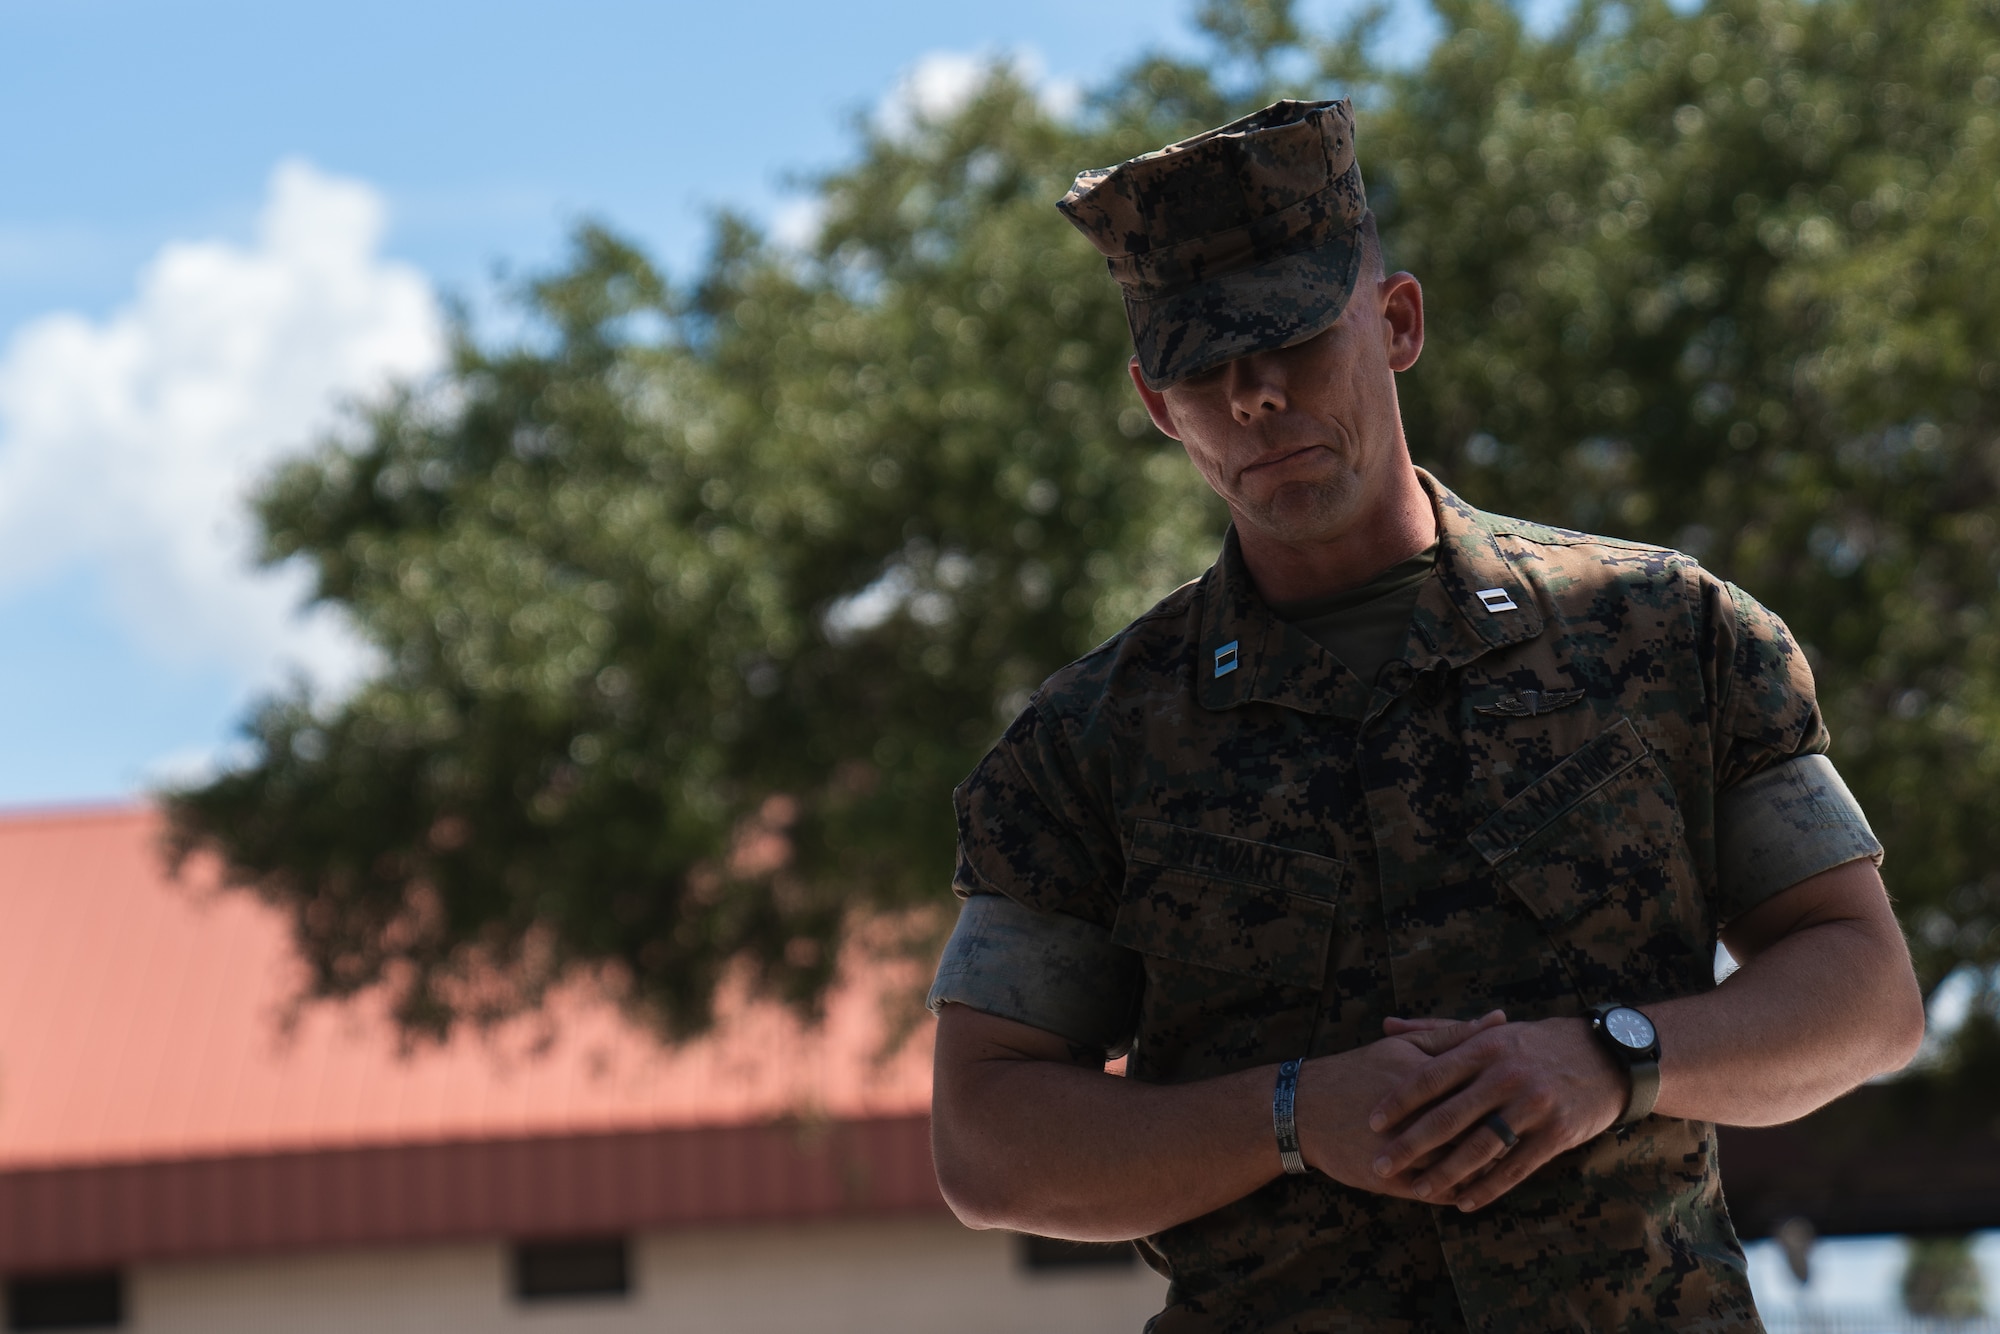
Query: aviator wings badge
[{"x": 1529, "y": 703}]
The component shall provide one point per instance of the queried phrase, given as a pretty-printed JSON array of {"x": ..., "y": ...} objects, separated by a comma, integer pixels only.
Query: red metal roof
[
  {"x": 141, "y": 1023},
  {"x": 396, "y": 1195}
]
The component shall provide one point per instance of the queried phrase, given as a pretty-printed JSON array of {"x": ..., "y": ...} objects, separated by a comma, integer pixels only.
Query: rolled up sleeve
[
  {"x": 1039, "y": 871},
  {"x": 1785, "y": 824},
  {"x": 1045, "y": 969}
]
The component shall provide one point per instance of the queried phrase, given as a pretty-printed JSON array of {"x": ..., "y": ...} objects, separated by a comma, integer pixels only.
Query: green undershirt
[{"x": 1367, "y": 626}]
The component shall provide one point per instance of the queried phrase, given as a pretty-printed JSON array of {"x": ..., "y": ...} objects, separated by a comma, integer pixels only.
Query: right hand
[{"x": 1337, "y": 1093}]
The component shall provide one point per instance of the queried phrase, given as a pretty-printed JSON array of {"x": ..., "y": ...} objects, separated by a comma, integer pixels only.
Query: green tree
[
  {"x": 1717, "y": 281},
  {"x": 1941, "y": 1278},
  {"x": 693, "y": 609},
  {"x": 693, "y": 606}
]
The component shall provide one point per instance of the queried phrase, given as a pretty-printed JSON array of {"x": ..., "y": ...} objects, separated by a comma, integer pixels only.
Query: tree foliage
[
  {"x": 1941, "y": 1279},
  {"x": 694, "y": 603}
]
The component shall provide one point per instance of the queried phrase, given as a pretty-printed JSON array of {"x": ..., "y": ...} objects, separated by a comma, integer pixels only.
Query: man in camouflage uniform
[{"x": 1354, "y": 844}]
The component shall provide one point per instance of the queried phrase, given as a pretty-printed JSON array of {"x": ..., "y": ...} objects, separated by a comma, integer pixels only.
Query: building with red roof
[{"x": 180, "y": 1150}]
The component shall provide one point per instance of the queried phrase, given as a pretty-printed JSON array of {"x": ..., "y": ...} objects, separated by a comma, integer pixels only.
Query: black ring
[{"x": 1498, "y": 1125}]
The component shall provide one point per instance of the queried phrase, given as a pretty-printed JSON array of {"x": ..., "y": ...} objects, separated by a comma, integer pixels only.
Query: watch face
[{"x": 1629, "y": 1028}]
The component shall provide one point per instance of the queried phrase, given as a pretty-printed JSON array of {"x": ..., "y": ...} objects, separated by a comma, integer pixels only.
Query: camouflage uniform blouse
[{"x": 1520, "y": 813}]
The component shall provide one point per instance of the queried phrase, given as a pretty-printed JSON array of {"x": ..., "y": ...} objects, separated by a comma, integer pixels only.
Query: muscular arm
[
  {"x": 1030, "y": 1133},
  {"x": 1824, "y": 1000}
]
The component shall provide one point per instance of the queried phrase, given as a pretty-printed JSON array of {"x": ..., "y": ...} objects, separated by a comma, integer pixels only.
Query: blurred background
[{"x": 513, "y": 519}]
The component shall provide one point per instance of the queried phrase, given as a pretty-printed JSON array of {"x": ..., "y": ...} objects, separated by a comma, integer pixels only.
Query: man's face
[{"x": 1298, "y": 441}]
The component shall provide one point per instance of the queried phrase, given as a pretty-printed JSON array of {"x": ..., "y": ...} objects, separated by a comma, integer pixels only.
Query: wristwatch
[{"x": 1634, "y": 1044}]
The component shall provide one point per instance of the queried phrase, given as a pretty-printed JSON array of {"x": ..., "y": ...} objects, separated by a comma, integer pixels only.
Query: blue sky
[
  {"x": 482, "y": 132},
  {"x": 489, "y": 127}
]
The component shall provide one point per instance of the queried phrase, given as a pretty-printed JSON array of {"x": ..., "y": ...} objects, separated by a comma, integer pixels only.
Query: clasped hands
[{"x": 1407, "y": 1116}]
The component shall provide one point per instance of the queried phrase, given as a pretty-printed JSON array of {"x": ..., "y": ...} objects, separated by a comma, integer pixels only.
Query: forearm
[
  {"x": 1066, "y": 1150},
  {"x": 1814, "y": 1014},
  {"x": 1824, "y": 1000}
]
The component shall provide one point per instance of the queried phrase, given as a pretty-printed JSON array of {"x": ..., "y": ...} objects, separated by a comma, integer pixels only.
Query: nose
[{"x": 1255, "y": 388}]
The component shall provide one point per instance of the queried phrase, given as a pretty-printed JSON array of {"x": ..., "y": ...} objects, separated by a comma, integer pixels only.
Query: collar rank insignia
[
  {"x": 1225, "y": 659},
  {"x": 1496, "y": 599},
  {"x": 1529, "y": 703}
]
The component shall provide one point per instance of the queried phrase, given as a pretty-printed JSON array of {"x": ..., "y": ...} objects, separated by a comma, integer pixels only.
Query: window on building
[
  {"x": 552, "y": 1270},
  {"x": 1039, "y": 1254},
  {"x": 94, "y": 1300}
]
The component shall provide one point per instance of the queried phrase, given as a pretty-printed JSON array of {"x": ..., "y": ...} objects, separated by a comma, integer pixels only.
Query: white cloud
[
  {"x": 940, "y": 84},
  {"x": 798, "y": 222},
  {"x": 130, "y": 445},
  {"x": 937, "y": 85},
  {"x": 195, "y": 766},
  {"x": 1061, "y": 98}
]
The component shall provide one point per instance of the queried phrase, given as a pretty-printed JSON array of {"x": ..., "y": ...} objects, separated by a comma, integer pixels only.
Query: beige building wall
[{"x": 906, "y": 1277}]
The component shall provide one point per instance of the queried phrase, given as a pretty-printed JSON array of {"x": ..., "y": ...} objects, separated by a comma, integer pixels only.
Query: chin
[{"x": 1310, "y": 511}]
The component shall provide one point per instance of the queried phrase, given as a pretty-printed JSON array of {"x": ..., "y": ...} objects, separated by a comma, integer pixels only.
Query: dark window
[
  {"x": 1044, "y": 1253},
  {"x": 597, "y": 1267},
  {"x": 67, "y": 1301}
]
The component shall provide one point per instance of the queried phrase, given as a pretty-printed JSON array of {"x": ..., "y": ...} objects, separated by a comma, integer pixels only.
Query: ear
[
  {"x": 1402, "y": 320},
  {"x": 1155, "y": 401}
]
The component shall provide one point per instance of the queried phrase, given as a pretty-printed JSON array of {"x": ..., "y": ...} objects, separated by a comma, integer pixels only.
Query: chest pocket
[
  {"x": 1596, "y": 850},
  {"x": 1232, "y": 904}
]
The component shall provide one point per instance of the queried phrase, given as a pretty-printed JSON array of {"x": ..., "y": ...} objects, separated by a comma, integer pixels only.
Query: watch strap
[
  {"x": 1283, "y": 1100},
  {"x": 1645, "y": 1091},
  {"x": 1642, "y": 1069}
]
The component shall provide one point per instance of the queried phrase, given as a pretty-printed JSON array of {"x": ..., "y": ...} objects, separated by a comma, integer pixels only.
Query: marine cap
[{"x": 1238, "y": 240}]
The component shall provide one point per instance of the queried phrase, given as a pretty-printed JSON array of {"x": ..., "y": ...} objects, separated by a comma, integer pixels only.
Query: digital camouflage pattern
[
  {"x": 1237, "y": 240},
  {"x": 1296, "y": 856}
]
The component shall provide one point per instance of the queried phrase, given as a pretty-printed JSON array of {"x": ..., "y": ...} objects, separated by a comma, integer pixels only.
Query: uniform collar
[{"x": 1475, "y": 603}]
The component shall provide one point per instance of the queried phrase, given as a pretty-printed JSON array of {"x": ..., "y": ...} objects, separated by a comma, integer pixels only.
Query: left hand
[{"x": 1551, "y": 1082}]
